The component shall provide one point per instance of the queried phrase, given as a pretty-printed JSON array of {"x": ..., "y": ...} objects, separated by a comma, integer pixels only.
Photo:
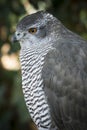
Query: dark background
[{"x": 73, "y": 14}]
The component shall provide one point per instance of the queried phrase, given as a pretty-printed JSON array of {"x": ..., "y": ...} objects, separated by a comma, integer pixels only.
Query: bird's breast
[{"x": 32, "y": 84}]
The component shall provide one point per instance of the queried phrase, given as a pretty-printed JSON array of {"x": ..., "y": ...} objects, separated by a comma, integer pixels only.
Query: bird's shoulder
[{"x": 68, "y": 57}]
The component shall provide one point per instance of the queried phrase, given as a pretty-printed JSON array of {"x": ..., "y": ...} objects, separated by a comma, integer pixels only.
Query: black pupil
[{"x": 32, "y": 30}]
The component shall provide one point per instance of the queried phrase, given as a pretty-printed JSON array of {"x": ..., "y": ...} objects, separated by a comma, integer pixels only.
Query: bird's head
[{"x": 36, "y": 29}]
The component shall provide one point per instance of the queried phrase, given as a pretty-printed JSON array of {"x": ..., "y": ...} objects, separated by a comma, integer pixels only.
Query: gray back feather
[{"x": 65, "y": 82}]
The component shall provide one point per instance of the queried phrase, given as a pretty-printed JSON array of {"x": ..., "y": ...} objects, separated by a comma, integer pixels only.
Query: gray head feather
[
  {"x": 47, "y": 29},
  {"x": 35, "y": 18}
]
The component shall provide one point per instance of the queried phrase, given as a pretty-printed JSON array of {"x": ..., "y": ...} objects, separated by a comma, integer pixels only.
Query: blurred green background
[{"x": 73, "y": 14}]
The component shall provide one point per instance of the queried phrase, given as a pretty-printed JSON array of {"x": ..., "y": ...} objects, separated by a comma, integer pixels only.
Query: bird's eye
[{"x": 32, "y": 30}]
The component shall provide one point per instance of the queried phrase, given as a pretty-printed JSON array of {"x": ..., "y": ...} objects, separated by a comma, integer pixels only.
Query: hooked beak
[{"x": 14, "y": 38}]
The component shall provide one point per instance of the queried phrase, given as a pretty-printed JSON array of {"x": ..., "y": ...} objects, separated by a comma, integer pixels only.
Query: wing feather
[{"x": 65, "y": 84}]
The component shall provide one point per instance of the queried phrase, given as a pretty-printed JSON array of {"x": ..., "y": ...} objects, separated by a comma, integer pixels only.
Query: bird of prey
[{"x": 54, "y": 72}]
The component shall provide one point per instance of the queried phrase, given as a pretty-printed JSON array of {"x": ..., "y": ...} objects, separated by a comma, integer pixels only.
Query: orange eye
[{"x": 32, "y": 30}]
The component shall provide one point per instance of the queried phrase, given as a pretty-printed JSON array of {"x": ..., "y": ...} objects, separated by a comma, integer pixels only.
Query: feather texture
[
  {"x": 54, "y": 73},
  {"x": 65, "y": 82}
]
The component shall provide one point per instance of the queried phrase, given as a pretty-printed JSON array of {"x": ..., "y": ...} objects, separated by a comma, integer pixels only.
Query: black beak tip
[{"x": 13, "y": 39}]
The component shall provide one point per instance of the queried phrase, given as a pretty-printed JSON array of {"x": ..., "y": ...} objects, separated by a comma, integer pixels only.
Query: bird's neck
[{"x": 32, "y": 60}]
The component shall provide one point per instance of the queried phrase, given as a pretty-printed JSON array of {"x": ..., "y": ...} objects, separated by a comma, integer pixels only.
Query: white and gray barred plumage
[
  {"x": 33, "y": 85},
  {"x": 54, "y": 72}
]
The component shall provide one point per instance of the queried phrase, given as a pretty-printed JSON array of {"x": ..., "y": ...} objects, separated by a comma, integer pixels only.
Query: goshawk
[{"x": 54, "y": 72}]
